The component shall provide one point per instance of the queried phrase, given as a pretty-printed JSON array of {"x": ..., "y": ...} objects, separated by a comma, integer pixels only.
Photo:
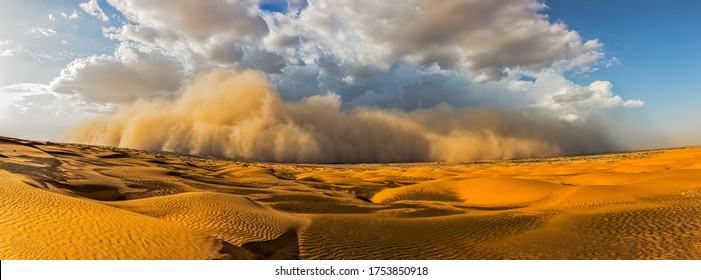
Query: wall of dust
[{"x": 238, "y": 115}]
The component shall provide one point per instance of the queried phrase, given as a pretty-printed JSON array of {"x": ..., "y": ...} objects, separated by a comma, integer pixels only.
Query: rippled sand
[{"x": 62, "y": 201}]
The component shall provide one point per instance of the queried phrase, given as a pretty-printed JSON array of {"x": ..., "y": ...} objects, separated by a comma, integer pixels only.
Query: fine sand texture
[{"x": 66, "y": 201}]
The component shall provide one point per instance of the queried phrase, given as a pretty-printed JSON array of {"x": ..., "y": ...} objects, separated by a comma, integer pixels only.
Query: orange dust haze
[{"x": 239, "y": 115}]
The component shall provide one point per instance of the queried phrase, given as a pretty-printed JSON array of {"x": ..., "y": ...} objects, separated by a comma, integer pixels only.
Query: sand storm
[
  {"x": 349, "y": 130},
  {"x": 238, "y": 115},
  {"x": 69, "y": 201}
]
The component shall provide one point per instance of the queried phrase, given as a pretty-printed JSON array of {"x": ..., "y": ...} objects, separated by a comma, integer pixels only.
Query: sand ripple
[
  {"x": 65, "y": 201},
  {"x": 38, "y": 224},
  {"x": 232, "y": 218}
]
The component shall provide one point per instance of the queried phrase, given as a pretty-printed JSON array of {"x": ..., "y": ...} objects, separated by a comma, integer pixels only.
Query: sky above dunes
[{"x": 617, "y": 75}]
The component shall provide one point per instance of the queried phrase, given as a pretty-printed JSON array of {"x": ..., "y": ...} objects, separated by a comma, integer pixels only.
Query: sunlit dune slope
[
  {"x": 38, "y": 224},
  {"x": 485, "y": 192},
  {"x": 231, "y": 218},
  {"x": 65, "y": 201}
]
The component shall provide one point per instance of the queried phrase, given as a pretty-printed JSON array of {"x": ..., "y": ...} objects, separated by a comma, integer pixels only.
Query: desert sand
[{"x": 67, "y": 201}]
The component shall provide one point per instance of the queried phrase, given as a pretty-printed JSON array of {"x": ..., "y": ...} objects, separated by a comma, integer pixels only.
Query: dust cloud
[{"x": 238, "y": 115}]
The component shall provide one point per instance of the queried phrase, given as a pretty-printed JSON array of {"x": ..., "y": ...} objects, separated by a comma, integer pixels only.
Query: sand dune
[
  {"x": 231, "y": 218},
  {"x": 65, "y": 201},
  {"x": 38, "y": 224},
  {"x": 480, "y": 192}
]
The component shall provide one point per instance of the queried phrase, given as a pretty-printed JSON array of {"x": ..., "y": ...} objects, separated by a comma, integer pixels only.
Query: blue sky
[
  {"x": 657, "y": 43},
  {"x": 630, "y": 63},
  {"x": 81, "y": 36}
]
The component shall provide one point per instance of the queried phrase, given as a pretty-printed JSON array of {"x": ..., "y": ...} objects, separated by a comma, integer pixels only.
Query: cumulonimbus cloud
[{"x": 239, "y": 115}]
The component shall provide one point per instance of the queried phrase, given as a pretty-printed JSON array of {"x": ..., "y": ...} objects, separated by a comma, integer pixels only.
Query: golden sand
[{"x": 64, "y": 201}]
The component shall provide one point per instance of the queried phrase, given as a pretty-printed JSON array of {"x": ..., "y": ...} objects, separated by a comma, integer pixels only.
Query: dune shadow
[{"x": 284, "y": 247}]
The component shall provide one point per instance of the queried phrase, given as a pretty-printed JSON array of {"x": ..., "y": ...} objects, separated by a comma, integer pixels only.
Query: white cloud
[
  {"x": 611, "y": 62},
  {"x": 484, "y": 37},
  {"x": 33, "y": 111},
  {"x": 130, "y": 74},
  {"x": 47, "y": 32},
  {"x": 582, "y": 63},
  {"x": 553, "y": 92},
  {"x": 51, "y": 17},
  {"x": 633, "y": 103},
  {"x": 197, "y": 21},
  {"x": 93, "y": 9},
  {"x": 413, "y": 54},
  {"x": 6, "y": 52},
  {"x": 204, "y": 33},
  {"x": 73, "y": 15}
]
